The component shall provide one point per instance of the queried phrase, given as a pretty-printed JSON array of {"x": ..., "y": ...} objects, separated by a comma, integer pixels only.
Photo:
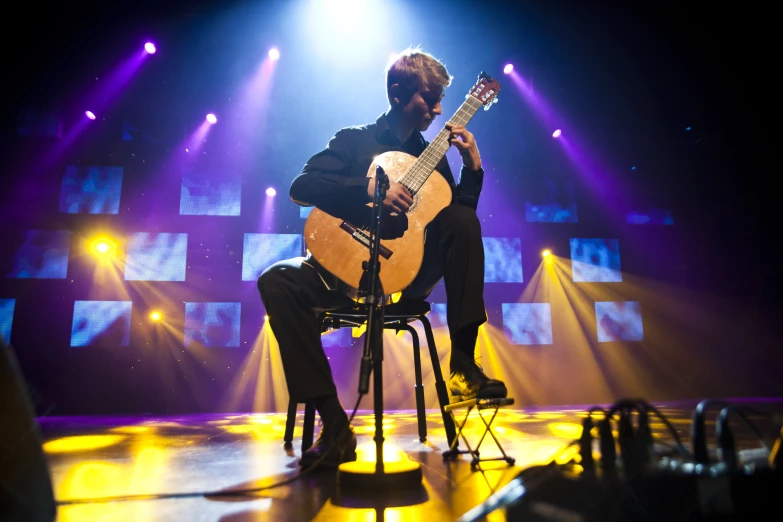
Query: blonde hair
[{"x": 416, "y": 70}]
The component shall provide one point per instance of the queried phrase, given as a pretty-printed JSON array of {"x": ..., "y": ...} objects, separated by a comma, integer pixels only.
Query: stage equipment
[
  {"x": 25, "y": 487},
  {"x": 376, "y": 476},
  {"x": 642, "y": 481}
]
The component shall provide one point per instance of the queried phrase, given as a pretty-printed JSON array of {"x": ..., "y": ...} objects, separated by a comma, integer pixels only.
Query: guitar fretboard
[{"x": 429, "y": 159}]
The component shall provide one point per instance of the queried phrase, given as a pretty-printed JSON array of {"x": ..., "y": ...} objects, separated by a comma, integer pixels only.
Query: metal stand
[{"x": 377, "y": 476}]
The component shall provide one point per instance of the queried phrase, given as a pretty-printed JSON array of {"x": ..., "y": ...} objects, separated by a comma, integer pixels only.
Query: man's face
[{"x": 423, "y": 107}]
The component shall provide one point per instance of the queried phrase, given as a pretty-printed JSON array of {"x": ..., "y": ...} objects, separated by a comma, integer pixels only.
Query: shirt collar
[{"x": 384, "y": 134}]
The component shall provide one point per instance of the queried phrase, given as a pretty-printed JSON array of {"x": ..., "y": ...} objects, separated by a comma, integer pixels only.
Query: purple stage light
[
  {"x": 508, "y": 68},
  {"x": 150, "y": 47},
  {"x": 557, "y": 133},
  {"x": 274, "y": 54},
  {"x": 211, "y": 118},
  {"x": 89, "y": 114},
  {"x": 271, "y": 192}
]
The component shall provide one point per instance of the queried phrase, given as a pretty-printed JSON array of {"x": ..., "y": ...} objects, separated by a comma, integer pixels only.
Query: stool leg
[
  {"x": 440, "y": 385},
  {"x": 421, "y": 412},
  {"x": 290, "y": 420},
  {"x": 308, "y": 426}
]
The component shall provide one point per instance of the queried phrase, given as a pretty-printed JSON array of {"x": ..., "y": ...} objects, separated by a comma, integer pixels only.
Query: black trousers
[{"x": 295, "y": 292}]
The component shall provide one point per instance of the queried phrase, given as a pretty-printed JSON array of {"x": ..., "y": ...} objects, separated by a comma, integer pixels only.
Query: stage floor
[{"x": 163, "y": 468}]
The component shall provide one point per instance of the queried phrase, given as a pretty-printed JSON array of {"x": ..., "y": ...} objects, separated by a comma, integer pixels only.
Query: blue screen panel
[
  {"x": 262, "y": 250},
  {"x": 527, "y": 323},
  {"x": 42, "y": 255},
  {"x": 6, "y": 318},
  {"x": 595, "y": 260},
  {"x": 340, "y": 338},
  {"x": 91, "y": 190},
  {"x": 654, "y": 216},
  {"x": 551, "y": 202},
  {"x": 105, "y": 321},
  {"x": 39, "y": 124},
  {"x": 304, "y": 212},
  {"x": 551, "y": 213},
  {"x": 209, "y": 194},
  {"x": 156, "y": 257},
  {"x": 212, "y": 324},
  {"x": 502, "y": 260},
  {"x": 619, "y": 321}
]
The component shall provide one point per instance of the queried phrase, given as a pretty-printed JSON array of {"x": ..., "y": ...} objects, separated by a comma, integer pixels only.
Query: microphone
[{"x": 381, "y": 177}]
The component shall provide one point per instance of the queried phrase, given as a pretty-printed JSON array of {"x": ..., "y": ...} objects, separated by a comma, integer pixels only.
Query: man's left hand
[{"x": 466, "y": 145}]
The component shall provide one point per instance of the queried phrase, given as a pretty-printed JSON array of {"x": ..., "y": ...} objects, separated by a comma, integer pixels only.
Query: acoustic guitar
[{"x": 341, "y": 247}]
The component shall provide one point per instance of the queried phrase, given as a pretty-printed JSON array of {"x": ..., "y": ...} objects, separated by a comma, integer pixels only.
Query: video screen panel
[
  {"x": 210, "y": 194},
  {"x": 654, "y": 216},
  {"x": 101, "y": 321},
  {"x": 43, "y": 254},
  {"x": 551, "y": 202},
  {"x": 6, "y": 318},
  {"x": 304, "y": 212},
  {"x": 156, "y": 257},
  {"x": 502, "y": 260},
  {"x": 619, "y": 321},
  {"x": 527, "y": 323},
  {"x": 91, "y": 190},
  {"x": 595, "y": 260},
  {"x": 212, "y": 324},
  {"x": 340, "y": 338},
  {"x": 34, "y": 123},
  {"x": 262, "y": 250}
]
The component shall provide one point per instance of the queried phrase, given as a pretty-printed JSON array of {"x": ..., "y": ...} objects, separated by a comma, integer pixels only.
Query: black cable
[
  {"x": 699, "y": 430},
  {"x": 725, "y": 437},
  {"x": 219, "y": 493}
]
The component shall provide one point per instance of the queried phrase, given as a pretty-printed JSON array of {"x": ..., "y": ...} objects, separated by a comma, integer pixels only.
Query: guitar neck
[{"x": 417, "y": 175}]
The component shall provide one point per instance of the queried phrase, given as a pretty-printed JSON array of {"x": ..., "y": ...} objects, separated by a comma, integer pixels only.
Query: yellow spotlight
[
  {"x": 102, "y": 246},
  {"x": 266, "y": 318},
  {"x": 156, "y": 316},
  {"x": 546, "y": 253}
]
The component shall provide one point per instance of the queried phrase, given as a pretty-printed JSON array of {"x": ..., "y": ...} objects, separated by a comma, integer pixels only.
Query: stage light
[
  {"x": 274, "y": 54},
  {"x": 508, "y": 68},
  {"x": 89, "y": 114},
  {"x": 266, "y": 318},
  {"x": 271, "y": 192},
  {"x": 546, "y": 253},
  {"x": 102, "y": 246},
  {"x": 557, "y": 133},
  {"x": 150, "y": 47},
  {"x": 156, "y": 316},
  {"x": 211, "y": 118}
]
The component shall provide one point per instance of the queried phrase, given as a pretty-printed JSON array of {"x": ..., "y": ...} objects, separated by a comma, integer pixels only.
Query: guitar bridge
[{"x": 364, "y": 238}]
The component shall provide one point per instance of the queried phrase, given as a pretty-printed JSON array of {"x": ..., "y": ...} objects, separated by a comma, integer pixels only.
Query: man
[{"x": 335, "y": 180}]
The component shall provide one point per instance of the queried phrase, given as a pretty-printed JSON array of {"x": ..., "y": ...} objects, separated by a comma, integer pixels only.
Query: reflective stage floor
[{"x": 165, "y": 468}]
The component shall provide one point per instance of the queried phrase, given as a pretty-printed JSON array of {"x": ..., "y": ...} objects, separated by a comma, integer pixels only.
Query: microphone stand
[{"x": 357, "y": 475}]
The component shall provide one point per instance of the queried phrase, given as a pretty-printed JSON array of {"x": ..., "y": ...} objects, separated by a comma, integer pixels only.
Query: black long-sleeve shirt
[{"x": 335, "y": 179}]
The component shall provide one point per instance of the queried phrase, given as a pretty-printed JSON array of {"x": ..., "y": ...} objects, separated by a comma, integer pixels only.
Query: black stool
[{"x": 397, "y": 317}]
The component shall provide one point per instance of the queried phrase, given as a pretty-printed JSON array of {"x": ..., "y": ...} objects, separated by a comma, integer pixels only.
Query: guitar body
[{"x": 341, "y": 249}]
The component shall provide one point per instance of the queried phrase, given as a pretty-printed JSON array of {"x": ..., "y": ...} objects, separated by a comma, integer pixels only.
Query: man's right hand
[{"x": 398, "y": 198}]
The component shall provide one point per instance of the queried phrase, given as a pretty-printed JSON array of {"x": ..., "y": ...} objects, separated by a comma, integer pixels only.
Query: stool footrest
[{"x": 479, "y": 405}]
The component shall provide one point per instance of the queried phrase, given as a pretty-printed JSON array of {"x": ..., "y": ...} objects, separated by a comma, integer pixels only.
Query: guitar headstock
[{"x": 486, "y": 90}]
